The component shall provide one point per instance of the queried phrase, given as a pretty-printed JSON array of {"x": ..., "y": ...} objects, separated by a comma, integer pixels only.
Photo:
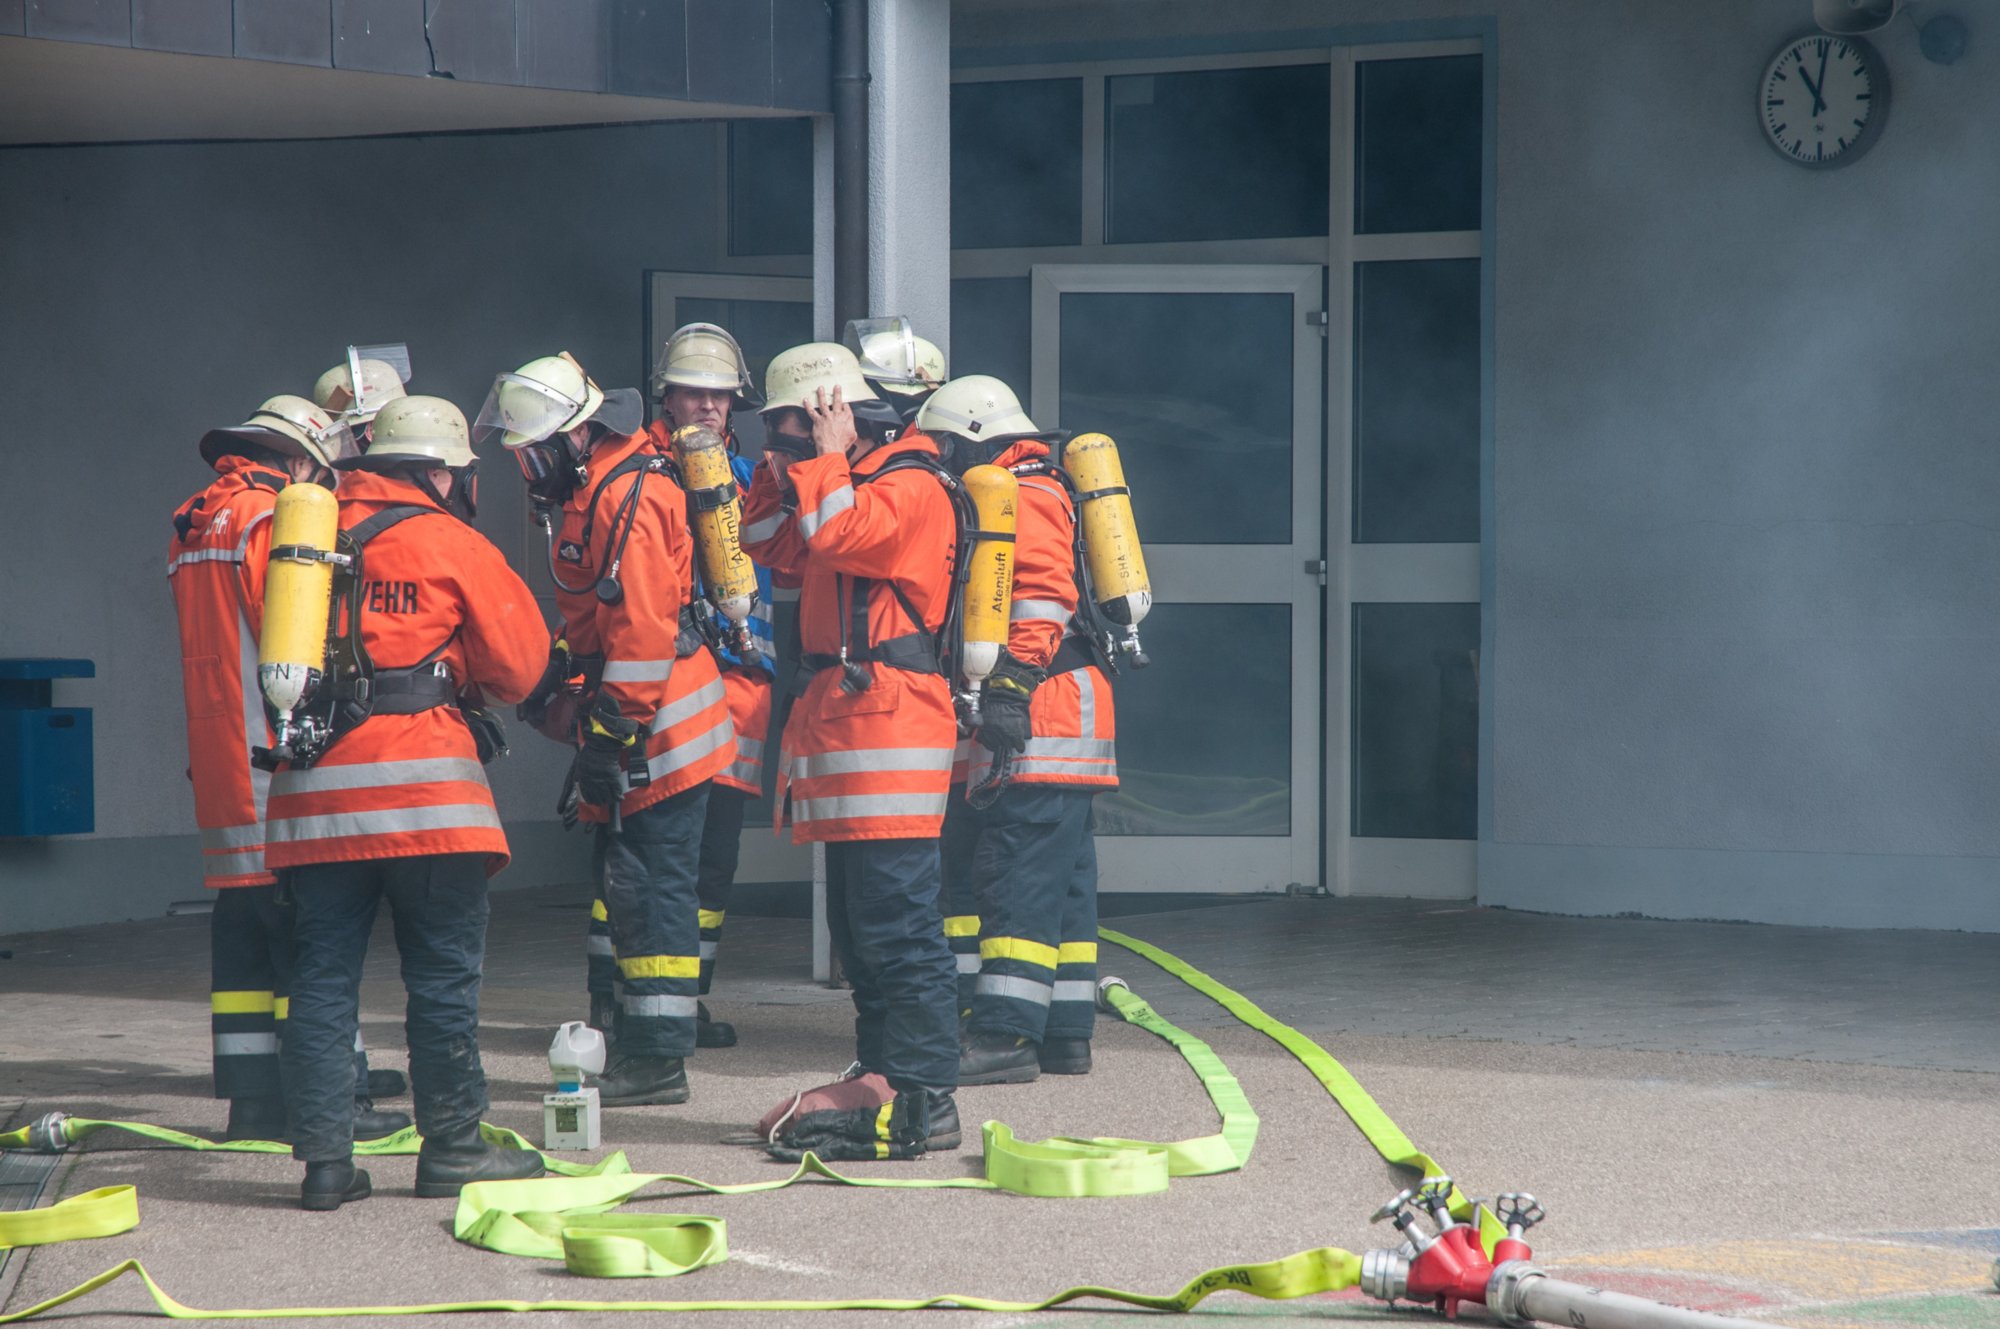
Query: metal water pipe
[{"x": 850, "y": 160}]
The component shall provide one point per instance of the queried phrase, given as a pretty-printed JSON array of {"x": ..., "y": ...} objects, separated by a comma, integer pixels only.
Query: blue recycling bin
[{"x": 47, "y": 780}]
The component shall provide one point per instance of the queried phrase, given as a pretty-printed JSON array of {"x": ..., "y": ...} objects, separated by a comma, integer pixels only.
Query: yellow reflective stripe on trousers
[
  {"x": 242, "y": 1003},
  {"x": 1017, "y": 948},
  {"x": 962, "y": 925},
  {"x": 660, "y": 966}
]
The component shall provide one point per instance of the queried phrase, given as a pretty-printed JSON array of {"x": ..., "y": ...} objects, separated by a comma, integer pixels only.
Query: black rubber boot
[
  {"x": 447, "y": 1162},
  {"x": 636, "y": 1081},
  {"x": 372, "y": 1125},
  {"x": 1066, "y": 1056},
  {"x": 987, "y": 1057},
  {"x": 330, "y": 1185},
  {"x": 710, "y": 1033},
  {"x": 944, "y": 1131},
  {"x": 257, "y": 1119},
  {"x": 387, "y": 1084}
]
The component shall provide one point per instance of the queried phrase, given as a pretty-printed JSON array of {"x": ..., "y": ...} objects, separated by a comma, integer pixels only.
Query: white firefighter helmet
[
  {"x": 423, "y": 430},
  {"x": 702, "y": 355},
  {"x": 976, "y": 406},
  {"x": 541, "y": 398},
  {"x": 381, "y": 383},
  {"x": 795, "y": 375},
  {"x": 289, "y": 425},
  {"x": 893, "y": 357}
]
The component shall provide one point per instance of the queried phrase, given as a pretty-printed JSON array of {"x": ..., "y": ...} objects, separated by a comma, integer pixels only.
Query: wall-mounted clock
[{"x": 1823, "y": 100}]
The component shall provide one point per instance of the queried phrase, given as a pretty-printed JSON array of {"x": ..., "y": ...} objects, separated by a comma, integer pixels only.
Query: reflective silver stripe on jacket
[
  {"x": 601, "y": 945},
  {"x": 203, "y": 556},
  {"x": 968, "y": 963},
  {"x": 638, "y": 671},
  {"x": 657, "y": 1006},
  {"x": 381, "y": 775},
  {"x": 1021, "y": 989},
  {"x": 703, "y": 697},
  {"x": 684, "y": 754},
  {"x": 835, "y": 503},
  {"x": 246, "y": 1045},
  {"x": 1038, "y": 611},
  {"x": 847, "y": 806},
  {"x": 1076, "y": 989},
  {"x": 764, "y": 527},
  {"x": 229, "y": 838},
  {"x": 234, "y": 863},
  {"x": 385, "y": 821},
  {"x": 862, "y": 760}
]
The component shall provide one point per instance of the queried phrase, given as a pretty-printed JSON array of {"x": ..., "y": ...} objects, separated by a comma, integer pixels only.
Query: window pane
[
  {"x": 1205, "y": 732},
  {"x": 1416, "y": 144},
  {"x": 770, "y": 187},
  {"x": 761, "y": 327},
  {"x": 990, "y": 319},
  {"x": 1225, "y": 154},
  {"x": 1416, "y": 402},
  {"x": 1016, "y": 164},
  {"x": 1416, "y": 721},
  {"x": 1197, "y": 392}
]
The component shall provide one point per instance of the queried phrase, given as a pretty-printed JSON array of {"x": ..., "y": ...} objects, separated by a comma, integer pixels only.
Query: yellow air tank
[
  {"x": 989, "y": 586},
  {"x": 716, "y": 513},
  {"x": 1117, "y": 564},
  {"x": 298, "y": 594}
]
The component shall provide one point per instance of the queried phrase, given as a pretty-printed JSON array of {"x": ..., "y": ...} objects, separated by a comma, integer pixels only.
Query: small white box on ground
[{"x": 570, "y": 1119}]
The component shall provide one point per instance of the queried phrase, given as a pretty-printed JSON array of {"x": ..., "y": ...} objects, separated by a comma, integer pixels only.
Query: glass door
[{"x": 1210, "y": 379}]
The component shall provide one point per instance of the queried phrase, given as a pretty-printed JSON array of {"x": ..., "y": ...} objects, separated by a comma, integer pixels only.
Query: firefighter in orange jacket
[
  {"x": 1021, "y": 860},
  {"x": 398, "y": 807},
  {"x": 866, "y": 756},
  {"x": 655, "y": 730},
  {"x": 701, "y": 377},
  {"x": 215, "y": 568}
]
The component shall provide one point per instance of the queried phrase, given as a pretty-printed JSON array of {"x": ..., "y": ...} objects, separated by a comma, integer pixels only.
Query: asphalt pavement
[{"x": 1794, "y": 1125}]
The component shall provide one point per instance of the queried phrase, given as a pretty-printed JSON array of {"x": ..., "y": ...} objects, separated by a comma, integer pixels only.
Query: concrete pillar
[{"x": 909, "y": 164}]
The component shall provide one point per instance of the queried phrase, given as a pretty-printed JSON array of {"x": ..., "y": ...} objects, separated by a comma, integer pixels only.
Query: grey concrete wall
[
  {"x": 150, "y": 293},
  {"x": 1743, "y": 605},
  {"x": 1746, "y": 601}
]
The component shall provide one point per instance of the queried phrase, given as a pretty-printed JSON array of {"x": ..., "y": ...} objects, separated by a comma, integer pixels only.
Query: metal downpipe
[{"x": 850, "y": 160}]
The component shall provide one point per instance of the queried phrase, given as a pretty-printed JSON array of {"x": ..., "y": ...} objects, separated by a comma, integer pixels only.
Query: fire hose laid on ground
[{"x": 1472, "y": 1252}]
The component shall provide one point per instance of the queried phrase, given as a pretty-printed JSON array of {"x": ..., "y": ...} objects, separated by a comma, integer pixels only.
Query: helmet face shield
[
  {"x": 887, "y": 350},
  {"x": 523, "y": 411}
]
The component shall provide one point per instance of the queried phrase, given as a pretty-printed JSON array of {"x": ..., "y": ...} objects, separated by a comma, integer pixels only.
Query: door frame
[{"x": 1211, "y": 574}]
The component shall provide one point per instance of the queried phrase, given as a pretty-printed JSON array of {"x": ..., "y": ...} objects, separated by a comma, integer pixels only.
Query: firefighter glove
[
  {"x": 534, "y": 709},
  {"x": 489, "y": 736},
  {"x": 1003, "y": 724},
  {"x": 607, "y": 737}
]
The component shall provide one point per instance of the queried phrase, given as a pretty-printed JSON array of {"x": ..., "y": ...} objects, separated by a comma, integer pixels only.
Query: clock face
[{"x": 1822, "y": 99}]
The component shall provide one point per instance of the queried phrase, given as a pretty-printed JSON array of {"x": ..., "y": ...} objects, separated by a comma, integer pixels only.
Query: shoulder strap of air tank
[{"x": 363, "y": 531}]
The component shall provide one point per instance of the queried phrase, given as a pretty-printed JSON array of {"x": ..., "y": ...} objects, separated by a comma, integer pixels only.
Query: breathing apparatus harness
[
  {"x": 921, "y": 651},
  {"x": 355, "y": 687}
]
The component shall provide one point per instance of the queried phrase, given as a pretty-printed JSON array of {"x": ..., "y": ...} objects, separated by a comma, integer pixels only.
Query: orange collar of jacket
[
  {"x": 382, "y": 490},
  {"x": 909, "y": 441}
]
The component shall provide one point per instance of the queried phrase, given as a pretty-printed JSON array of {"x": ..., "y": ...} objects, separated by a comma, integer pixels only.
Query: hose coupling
[
  {"x": 47, "y": 1135},
  {"x": 1385, "y": 1275},
  {"x": 1503, "y": 1290},
  {"x": 1104, "y": 986}
]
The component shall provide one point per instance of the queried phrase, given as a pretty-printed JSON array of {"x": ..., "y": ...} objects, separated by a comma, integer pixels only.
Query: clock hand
[{"x": 1819, "y": 102}]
